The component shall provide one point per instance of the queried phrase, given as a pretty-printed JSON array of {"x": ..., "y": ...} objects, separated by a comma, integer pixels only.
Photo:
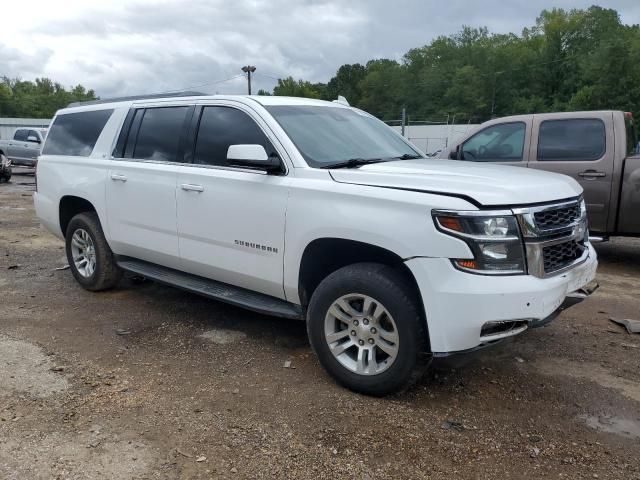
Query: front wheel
[
  {"x": 364, "y": 324},
  {"x": 89, "y": 255}
]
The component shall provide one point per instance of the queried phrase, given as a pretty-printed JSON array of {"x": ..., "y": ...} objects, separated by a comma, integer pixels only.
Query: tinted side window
[
  {"x": 159, "y": 134},
  {"x": 33, "y": 133},
  {"x": 580, "y": 139},
  {"x": 20, "y": 135},
  {"x": 498, "y": 143},
  {"x": 224, "y": 126},
  {"x": 75, "y": 133}
]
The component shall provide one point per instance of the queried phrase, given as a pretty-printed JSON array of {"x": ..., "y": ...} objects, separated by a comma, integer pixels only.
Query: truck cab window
[
  {"x": 224, "y": 126},
  {"x": 497, "y": 143},
  {"x": 20, "y": 135},
  {"x": 571, "y": 140}
]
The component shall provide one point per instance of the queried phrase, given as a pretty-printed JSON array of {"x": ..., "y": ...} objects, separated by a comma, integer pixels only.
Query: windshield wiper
[
  {"x": 408, "y": 156},
  {"x": 353, "y": 163}
]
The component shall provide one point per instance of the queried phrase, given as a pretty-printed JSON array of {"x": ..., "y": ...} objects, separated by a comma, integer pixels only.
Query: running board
[{"x": 223, "y": 292}]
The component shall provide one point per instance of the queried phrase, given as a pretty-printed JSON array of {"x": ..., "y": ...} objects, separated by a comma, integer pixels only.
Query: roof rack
[{"x": 137, "y": 97}]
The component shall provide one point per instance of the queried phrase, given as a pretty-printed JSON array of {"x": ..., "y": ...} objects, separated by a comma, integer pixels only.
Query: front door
[
  {"x": 141, "y": 186},
  {"x": 231, "y": 220},
  {"x": 583, "y": 149},
  {"x": 503, "y": 143},
  {"x": 17, "y": 150},
  {"x": 32, "y": 149}
]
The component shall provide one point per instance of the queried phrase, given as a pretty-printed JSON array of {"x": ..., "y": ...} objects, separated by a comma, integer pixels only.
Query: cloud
[{"x": 143, "y": 46}]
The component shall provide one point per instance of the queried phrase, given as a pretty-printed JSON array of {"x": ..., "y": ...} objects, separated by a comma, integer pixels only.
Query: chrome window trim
[{"x": 196, "y": 165}]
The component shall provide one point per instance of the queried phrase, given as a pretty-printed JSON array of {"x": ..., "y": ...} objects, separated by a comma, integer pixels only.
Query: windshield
[{"x": 327, "y": 135}]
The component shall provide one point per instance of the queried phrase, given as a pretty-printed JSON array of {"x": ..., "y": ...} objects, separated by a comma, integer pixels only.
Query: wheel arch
[
  {"x": 323, "y": 256},
  {"x": 71, "y": 205}
]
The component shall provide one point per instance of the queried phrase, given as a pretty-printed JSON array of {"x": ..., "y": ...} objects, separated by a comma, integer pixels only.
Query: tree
[
  {"x": 568, "y": 60},
  {"x": 38, "y": 99},
  {"x": 292, "y": 88},
  {"x": 346, "y": 82}
]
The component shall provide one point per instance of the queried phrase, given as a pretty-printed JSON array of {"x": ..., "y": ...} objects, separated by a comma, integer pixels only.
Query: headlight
[{"x": 493, "y": 237}]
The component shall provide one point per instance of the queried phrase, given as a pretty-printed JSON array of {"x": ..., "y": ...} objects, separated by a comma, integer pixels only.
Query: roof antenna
[{"x": 342, "y": 101}]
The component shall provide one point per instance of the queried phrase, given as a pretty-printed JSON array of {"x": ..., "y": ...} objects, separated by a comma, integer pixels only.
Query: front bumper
[{"x": 459, "y": 306}]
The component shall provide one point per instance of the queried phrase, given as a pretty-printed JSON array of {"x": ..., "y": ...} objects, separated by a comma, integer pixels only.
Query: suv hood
[{"x": 484, "y": 184}]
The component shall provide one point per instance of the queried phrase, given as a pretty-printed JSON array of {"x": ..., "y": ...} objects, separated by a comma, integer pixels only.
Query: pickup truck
[
  {"x": 24, "y": 147},
  {"x": 318, "y": 212},
  {"x": 598, "y": 149}
]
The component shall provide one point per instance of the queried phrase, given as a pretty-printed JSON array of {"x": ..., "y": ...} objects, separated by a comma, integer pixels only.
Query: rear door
[
  {"x": 583, "y": 148},
  {"x": 141, "y": 184},
  {"x": 231, "y": 220}
]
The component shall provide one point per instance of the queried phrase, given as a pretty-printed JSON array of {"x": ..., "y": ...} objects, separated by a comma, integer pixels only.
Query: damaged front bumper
[
  {"x": 517, "y": 327},
  {"x": 572, "y": 298}
]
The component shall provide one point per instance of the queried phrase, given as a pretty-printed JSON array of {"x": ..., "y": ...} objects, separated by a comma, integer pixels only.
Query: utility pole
[{"x": 249, "y": 69}]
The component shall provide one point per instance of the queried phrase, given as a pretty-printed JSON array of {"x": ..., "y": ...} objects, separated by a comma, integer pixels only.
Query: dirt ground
[{"x": 149, "y": 382}]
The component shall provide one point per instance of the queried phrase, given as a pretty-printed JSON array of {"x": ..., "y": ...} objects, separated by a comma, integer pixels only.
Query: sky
[{"x": 141, "y": 46}]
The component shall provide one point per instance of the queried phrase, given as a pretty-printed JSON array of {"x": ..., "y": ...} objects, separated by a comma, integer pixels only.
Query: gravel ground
[{"x": 148, "y": 382}]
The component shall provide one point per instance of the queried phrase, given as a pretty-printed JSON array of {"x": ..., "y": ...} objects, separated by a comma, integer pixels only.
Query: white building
[
  {"x": 430, "y": 138},
  {"x": 8, "y": 125}
]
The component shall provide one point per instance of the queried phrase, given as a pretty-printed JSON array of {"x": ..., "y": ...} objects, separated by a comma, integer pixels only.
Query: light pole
[{"x": 249, "y": 69}]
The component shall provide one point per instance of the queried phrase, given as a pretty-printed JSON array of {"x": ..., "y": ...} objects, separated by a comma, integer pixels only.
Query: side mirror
[
  {"x": 33, "y": 139},
  {"x": 252, "y": 156},
  {"x": 455, "y": 154}
]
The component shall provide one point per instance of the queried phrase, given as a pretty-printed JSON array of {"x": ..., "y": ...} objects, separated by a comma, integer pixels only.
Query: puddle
[
  {"x": 25, "y": 368},
  {"x": 221, "y": 336},
  {"x": 609, "y": 424}
]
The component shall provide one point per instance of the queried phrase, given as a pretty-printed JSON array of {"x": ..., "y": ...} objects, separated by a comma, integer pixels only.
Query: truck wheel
[
  {"x": 365, "y": 326},
  {"x": 90, "y": 258}
]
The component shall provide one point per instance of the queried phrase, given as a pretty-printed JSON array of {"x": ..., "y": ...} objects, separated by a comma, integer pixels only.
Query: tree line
[
  {"x": 38, "y": 99},
  {"x": 569, "y": 60}
]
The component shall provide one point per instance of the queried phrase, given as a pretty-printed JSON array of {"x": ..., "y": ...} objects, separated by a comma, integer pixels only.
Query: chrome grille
[
  {"x": 556, "y": 257},
  {"x": 557, "y": 217},
  {"x": 555, "y": 236}
]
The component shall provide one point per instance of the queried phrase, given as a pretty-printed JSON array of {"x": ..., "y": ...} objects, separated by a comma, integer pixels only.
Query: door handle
[
  {"x": 592, "y": 174},
  {"x": 189, "y": 187},
  {"x": 118, "y": 177}
]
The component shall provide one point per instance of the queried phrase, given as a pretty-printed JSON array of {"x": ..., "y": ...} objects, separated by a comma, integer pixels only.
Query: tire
[
  {"x": 105, "y": 274},
  {"x": 379, "y": 286}
]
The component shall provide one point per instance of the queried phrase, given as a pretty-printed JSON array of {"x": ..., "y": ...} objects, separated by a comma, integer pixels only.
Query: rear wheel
[
  {"x": 364, "y": 324},
  {"x": 90, "y": 258}
]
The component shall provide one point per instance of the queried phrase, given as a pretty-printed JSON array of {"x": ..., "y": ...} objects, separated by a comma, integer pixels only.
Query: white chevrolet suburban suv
[{"x": 315, "y": 211}]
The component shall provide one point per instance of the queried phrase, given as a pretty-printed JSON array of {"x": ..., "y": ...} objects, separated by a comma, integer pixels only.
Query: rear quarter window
[
  {"x": 75, "y": 134},
  {"x": 571, "y": 140}
]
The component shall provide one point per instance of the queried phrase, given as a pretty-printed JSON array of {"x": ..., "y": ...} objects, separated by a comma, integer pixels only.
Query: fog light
[{"x": 497, "y": 251}]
